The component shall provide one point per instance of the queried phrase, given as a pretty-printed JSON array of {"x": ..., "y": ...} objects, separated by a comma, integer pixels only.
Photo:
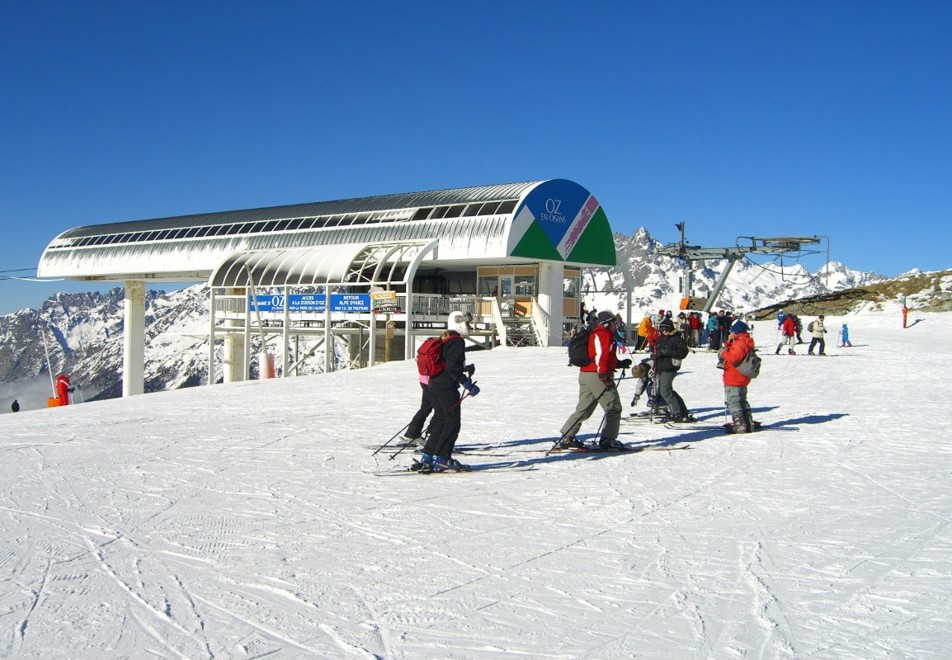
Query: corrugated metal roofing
[
  {"x": 557, "y": 220},
  {"x": 312, "y": 266},
  {"x": 357, "y": 205},
  {"x": 171, "y": 249}
]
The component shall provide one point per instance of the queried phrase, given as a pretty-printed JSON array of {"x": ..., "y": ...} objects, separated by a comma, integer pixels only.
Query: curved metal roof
[
  {"x": 394, "y": 202},
  {"x": 504, "y": 223},
  {"x": 378, "y": 263}
]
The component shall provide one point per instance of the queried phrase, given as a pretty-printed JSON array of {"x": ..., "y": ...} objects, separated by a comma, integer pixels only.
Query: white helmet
[{"x": 459, "y": 322}]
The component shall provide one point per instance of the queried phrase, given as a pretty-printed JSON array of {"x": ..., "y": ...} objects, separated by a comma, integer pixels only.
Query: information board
[{"x": 353, "y": 303}]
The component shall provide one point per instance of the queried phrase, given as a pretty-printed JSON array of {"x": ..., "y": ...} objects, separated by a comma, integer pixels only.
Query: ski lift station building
[{"x": 369, "y": 276}]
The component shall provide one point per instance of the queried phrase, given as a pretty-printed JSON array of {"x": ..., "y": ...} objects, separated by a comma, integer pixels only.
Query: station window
[
  {"x": 489, "y": 208},
  {"x": 422, "y": 214},
  {"x": 570, "y": 287},
  {"x": 455, "y": 211},
  {"x": 525, "y": 285},
  {"x": 507, "y": 206},
  {"x": 489, "y": 286}
]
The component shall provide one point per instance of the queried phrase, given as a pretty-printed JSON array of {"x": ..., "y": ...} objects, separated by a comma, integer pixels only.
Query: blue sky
[{"x": 738, "y": 118}]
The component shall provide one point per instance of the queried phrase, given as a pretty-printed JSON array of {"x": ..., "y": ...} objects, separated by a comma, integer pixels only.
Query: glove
[
  {"x": 469, "y": 369},
  {"x": 624, "y": 364},
  {"x": 607, "y": 380},
  {"x": 471, "y": 387}
]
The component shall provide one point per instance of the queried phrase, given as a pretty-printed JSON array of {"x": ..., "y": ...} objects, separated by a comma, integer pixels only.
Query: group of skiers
[
  {"x": 666, "y": 344},
  {"x": 697, "y": 332},
  {"x": 789, "y": 328}
]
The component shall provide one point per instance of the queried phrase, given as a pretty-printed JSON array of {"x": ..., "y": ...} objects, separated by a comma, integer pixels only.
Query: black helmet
[{"x": 605, "y": 317}]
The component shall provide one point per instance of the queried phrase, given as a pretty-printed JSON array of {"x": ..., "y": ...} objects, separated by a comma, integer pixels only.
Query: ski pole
[
  {"x": 655, "y": 391},
  {"x": 400, "y": 451},
  {"x": 392, "y": 438}
]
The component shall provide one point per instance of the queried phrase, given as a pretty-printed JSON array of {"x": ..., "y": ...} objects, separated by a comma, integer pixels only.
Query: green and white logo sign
[{"x": 559, "y": 220}]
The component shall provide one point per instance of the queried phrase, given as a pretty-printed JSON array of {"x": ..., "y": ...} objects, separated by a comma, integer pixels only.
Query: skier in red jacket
[
  {"x": 596, "y": 383},
  {"x": 739, "y": 343},
  {"x": 789, "y": 331}
]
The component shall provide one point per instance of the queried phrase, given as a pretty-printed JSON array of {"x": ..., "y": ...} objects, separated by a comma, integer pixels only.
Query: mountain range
[{"x": 82, "y": 333}]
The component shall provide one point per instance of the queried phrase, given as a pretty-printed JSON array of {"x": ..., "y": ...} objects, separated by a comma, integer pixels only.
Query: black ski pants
[
  {"x": 415, "y": 430},
  {"x": 444, "y": 429},
  {"x": 676, "y": 407}
]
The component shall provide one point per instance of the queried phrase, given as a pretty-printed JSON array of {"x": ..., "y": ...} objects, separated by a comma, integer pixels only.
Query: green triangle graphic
[
  {"x": 596, "y": 245},
  {"x": 535, "y": 244}
]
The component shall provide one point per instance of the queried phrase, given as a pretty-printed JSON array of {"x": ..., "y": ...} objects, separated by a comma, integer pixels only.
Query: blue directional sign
[
  {"x": 350, "y": 302},
  {"x": 354, "y": 303}
]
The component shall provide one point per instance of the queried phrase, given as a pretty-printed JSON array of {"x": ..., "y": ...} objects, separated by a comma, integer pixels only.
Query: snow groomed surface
[{"x": 245, "y": 520}]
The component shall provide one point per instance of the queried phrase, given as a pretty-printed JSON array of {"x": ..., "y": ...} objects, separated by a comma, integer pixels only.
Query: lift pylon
[{"x": 688, "y": 254}]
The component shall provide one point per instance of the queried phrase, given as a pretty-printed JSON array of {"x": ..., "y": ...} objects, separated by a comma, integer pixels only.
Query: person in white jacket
[{"x": 817, "y": 330}]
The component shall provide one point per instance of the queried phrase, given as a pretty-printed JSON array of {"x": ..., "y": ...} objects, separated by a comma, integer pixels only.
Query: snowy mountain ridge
[{"x": 83, "y": 332}]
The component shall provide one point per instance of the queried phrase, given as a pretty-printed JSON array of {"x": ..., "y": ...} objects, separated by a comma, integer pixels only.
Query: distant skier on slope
[
  {"x": 63, "y": 388},
  {"x": 817, "y": 330},
  {"x": 845, "y": 337},
  {"x": 789, "y": 331}
]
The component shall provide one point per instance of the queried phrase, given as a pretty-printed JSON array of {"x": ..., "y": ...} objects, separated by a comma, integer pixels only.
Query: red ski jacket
[
  {"x": 601, "y": 348},
  {"x": 735, "y": 348}
]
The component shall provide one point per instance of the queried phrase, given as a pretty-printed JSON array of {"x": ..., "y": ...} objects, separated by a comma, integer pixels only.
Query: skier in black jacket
[
  {"x": 443, "y": 392},
  {"x": 670, "y": 348}
]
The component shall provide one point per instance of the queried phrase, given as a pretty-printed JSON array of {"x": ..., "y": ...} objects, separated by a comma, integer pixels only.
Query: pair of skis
[
  {"x": 629, "y": 448},
  {"x": 525, "y": 465},
  {"x": 415, "y": 470}
]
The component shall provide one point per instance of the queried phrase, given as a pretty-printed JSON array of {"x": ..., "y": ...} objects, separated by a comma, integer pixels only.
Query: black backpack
[{"x": 578, "y": 348}]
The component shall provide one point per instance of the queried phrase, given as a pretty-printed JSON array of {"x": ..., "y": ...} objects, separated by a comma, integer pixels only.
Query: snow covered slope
[{"x": 246, "y": 520}]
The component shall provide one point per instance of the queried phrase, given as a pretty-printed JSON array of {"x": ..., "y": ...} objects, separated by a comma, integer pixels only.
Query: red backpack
[{"x": 429, "y": 356}]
